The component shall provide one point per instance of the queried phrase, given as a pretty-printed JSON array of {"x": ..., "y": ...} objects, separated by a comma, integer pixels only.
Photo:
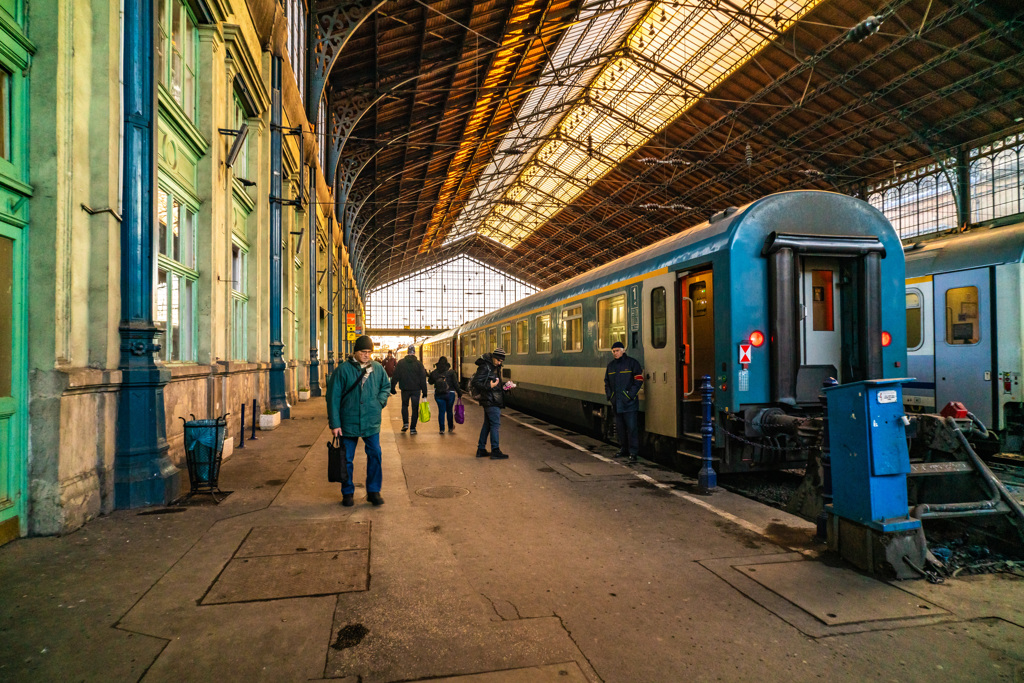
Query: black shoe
[
  {"x": 496, "y": 454},
  {"x": 441, "y": 432},
  {"x": 405, "y": 427},
  {"x": 374, "y": 498},
  {"x": 482, "y": 453},
  {"x": 620, "y": 454},
  {"x": 347, "y": 500},
  {"x": 412, "y": 431},
  {"x": 632, "y": 459}
]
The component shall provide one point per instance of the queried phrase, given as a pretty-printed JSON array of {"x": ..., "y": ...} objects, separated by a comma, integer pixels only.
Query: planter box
[
  {"x": 303, "y": 395},
  {"x": 270, "y": 422}
]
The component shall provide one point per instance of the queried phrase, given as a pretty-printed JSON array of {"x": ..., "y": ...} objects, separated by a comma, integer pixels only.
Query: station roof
[{"x": 547, "y": 137}]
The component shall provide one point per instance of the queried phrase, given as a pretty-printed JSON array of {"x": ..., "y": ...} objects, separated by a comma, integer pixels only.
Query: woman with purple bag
[{"x": 446, "y": 386}]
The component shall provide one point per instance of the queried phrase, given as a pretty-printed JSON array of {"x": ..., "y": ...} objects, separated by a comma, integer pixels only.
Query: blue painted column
[
  {"x": 278, "y": 399},
  {"x": 143, "y": 473},
  {"x": 314, "y": 309},
  {"x": 330, "y": 295}
]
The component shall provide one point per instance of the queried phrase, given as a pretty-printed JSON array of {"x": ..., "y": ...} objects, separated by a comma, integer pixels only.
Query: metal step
[{"x": 927, "y": 469}]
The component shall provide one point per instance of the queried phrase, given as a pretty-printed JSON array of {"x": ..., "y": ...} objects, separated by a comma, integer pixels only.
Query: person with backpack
[
  {"x": 411, "y": 377},
  {"x": 446, "y": 386},
  {"x": 489, "y": 392},
  {"x": 357, "y": 392},
  {"x": 389, "y": 363}
]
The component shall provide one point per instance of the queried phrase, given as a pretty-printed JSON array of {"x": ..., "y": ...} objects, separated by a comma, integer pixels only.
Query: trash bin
[{"x": 204, "y": 447}]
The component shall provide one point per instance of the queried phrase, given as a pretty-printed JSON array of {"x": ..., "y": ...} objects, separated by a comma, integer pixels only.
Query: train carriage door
[
  {"x": 821, "y": 338},
  {"x": 659, "y": 343},
  {"x": 697, "y": 343},
  {"x": 963, "y": 341}
]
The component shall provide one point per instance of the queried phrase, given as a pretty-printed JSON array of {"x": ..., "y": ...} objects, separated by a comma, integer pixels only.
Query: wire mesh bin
[{"x": 204, "y": 447}]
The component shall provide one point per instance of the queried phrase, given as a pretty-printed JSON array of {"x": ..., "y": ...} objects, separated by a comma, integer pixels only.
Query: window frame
[
  {"x": 575, "y": 312},
  {"x": 537, "y": 342},
  {"x": 664, "y": 339},
  {"x": 948, "y": 331},
  {"x": 492, "y": 338},
  {"x": 625, "y": 326},
  {"x": 239, "y": 301},
  {"x": 189, "y": 48},
  {"x": 523, "y": 342},
  {"x": 919, "y": 307},
  {"x": 503, "y": 330}
]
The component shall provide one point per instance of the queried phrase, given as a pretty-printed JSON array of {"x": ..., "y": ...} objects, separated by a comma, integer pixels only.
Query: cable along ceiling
[{"x": 673, "y": 56}]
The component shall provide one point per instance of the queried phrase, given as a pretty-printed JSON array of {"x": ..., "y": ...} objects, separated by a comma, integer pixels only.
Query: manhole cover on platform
[{"x": 442, "y": 492}]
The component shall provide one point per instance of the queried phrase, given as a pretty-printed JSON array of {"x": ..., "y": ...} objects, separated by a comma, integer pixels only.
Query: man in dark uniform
[
  {"x": 411, "y": 377},
  {"x": 487, "y": 389},
  {"x": 622, "y": 382}
]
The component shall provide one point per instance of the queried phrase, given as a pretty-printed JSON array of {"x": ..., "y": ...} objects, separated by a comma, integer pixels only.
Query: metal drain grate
[{"x": 442, "y": 492}]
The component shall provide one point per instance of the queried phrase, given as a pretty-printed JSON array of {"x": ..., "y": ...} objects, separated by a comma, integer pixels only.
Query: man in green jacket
[{"x": 357, "y": 392}]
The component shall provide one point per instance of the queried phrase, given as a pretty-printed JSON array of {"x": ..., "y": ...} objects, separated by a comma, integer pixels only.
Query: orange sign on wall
[{"x": 350, "y": 318}]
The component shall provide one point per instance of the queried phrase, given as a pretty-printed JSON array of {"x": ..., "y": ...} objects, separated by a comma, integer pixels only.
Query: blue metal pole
[
  {"x": 314, "y": 309},
  {"x": 278, "y": 399},
  {"x": 330, "y": 295},
  {"x": 826, "y": 464},
  {"x": 707, "y": 480},
  {"x": 143, "y": 472}
]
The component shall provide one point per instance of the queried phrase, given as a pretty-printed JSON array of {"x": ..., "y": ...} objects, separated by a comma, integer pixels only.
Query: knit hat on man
[
  {"x": 498, "y": 353},
  {"x": 618, "y": 345},
  {"x": 364, "y": 343},
  {"x": 412, "y": 350}
]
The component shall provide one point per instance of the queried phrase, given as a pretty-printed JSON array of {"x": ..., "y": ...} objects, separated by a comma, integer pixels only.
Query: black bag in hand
[{"x": 337, "y": 470}]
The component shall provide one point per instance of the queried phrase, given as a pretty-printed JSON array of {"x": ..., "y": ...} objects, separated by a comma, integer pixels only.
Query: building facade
[{"x": 70, "y": 181}]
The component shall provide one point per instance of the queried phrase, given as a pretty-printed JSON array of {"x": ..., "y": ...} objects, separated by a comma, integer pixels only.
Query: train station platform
[{"x": 558, "y": 564}]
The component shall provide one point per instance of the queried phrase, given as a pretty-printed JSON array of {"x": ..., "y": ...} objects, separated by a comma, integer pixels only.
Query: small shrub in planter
[
  {"x": 304, "y": 394},
  {"x": 269, "y": 420}
]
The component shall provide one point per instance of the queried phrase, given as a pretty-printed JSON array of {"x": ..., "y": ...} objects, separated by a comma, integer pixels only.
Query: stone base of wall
[{"x": 73, "y": 418}]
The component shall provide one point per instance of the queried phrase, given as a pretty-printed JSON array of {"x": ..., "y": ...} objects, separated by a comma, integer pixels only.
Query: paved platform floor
[{"x": 558, "y": 564}]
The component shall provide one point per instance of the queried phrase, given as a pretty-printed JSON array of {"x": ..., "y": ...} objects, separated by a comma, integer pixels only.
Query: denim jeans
[
  {"x": 371, "y": 445},
  {"x": 629, "y": 436},
  {"x": 446, "y": 405},
  {"x": 407, "y": 398},
  {"x": 492, "y": 422}
]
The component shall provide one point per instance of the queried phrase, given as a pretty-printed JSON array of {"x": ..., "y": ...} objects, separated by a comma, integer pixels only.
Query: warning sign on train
[{"x": 745, "y": 353}]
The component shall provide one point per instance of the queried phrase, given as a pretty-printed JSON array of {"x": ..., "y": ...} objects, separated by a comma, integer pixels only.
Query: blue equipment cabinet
[{"x": 870, "y": 523}]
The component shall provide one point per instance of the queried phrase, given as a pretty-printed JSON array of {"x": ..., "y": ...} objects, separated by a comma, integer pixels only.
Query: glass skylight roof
[{"x": 674, "y": 55}]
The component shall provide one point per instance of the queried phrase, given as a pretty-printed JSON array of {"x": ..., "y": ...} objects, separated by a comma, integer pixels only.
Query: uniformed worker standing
[{"x": 622, "y": 382}]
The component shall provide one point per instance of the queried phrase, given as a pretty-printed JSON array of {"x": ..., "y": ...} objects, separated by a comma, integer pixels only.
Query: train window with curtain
[
  {"x": 544, "y": 333},
  {"x": 962, "y": 321},
  {"x": 572, "y": 329},
  {"x": 915, "y": 319},
  {"x": 611, "y": 321},
  {"x": 481, "y": 342},
  {"x": 659, "y": 318},
  {"x": 492, "y": 338},
  {"x": 506, "y": 337},
  {"x": 522, "y": 336}
]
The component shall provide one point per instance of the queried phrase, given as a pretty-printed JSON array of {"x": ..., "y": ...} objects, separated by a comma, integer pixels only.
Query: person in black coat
[
  {"x": 446, "y": 386},
  {"x": 622, "y": 382},
  {"x": 487, "y": 389},
  {"x": 411, "y": 377}
]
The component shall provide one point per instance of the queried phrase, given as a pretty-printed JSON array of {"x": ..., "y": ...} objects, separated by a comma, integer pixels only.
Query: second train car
[{"x": 770, "y": 300}]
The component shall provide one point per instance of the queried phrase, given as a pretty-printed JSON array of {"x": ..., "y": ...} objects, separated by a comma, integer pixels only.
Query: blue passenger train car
[
  {"x": 769, "y": 300},
  {"x": 965, "y": 295}
]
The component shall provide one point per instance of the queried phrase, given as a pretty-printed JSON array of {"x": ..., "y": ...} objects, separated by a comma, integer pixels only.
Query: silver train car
[{"x": 965, "y": 335}]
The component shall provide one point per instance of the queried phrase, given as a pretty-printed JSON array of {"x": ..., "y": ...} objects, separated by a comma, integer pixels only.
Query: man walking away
[
  {"x": 622, "y": 382},
  {"x": 487, "y": 389},
  {"x": 357, "y": 392},
  {"x": 446, "y": 386},
  {"x": 411, "y": 377}
]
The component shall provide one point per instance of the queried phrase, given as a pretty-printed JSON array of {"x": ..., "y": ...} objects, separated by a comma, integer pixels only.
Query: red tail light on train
[
  {"x": 757, "y": 337},
  {"x": 886, "y": 338}
]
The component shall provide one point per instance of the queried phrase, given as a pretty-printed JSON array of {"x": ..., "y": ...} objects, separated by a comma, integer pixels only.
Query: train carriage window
[
  {"x": 915, "y": 317},
  {"x": 522, "y": 336},
  {"x": 506, "y": 337},
  {"x": 481, "y": 342},
  {"x": 659, "y": 318},
  {"x": 962, "y": 322},
  {"x": 544, "y": 333},
  {"x": 492, "y": 335},
  {"x": 699, "y": 297},
  {"x": 572, "y": 329},
  {"x": 611, "y": 321},
  {"x": 821, "y": 301}
]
